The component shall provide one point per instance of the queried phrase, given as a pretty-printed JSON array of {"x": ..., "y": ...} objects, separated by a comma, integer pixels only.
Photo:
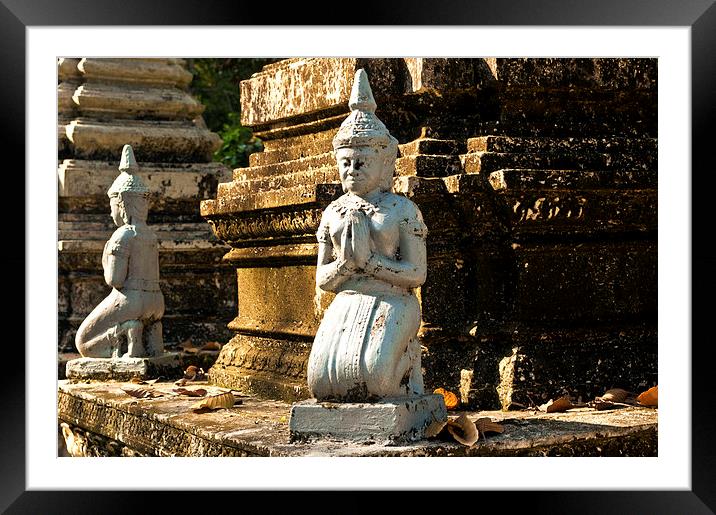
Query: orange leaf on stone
[
  {"x": 555, "y": 406},
  {"x": 451, "y": 400},
  {"x": 650, "y": 397}
]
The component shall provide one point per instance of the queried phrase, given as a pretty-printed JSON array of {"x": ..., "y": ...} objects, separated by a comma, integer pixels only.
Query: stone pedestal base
[
  {"x": 124, "y": 369},
  {"x": 388, "y": 421}
]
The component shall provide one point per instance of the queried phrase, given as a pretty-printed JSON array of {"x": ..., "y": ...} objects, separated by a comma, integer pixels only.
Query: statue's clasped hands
[{"x": 355, "y": 248}]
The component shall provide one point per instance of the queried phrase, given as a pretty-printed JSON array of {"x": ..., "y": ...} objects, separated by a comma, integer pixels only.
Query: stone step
[
  {"x": 81, "y": 178},
  {"x": 291, "y": 153},
  {"x": 93, "y": 234},
  {"x": 284, "y": 167},
  {"x": 230, "y": 202},
  {"x": 322, "y": 168},
  {"x": 104, "y": 223},
  {"x": 487, "y": 162},
  {"x": 428, "y": 165},
  {"x": 508, "y": 144},
  {"x": 526, "y": 179},
  {"x": 432, "y": 146},
  {"x": 168, "y": 242},
  {"x": 259, "y": 427},
  {"x": 65, "y": 105},
  {"x": 96, "y": 99},
  {"x": 151, "y": 140},
  {"x": 151, "y": 71},
  {"x": 67, "y": 69},
  {"x": 322, "y": 146},
  {"x": 324, "y": 174}
]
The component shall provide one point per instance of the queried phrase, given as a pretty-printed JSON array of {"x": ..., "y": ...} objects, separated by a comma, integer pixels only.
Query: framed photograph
[{"x": 682, "y": 38}]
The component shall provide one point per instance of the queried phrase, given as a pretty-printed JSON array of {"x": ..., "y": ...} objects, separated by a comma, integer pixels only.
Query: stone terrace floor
[{"x": 107, "y": 421}]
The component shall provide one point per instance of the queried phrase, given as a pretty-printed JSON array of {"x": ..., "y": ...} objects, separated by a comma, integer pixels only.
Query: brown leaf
[
  {"x": 486, "y": 425},
  {"x": 188, "y": 346},
  {"x": 199, "y": 392},
  {"x": 616, "y": 395},
  {"x": 463, "y": 430},
  {"x": 554, "y": 406},
  {"x": 222, "y": 400},
  {"x": 137, "y": 380},
  {"x": 434, "y": 427},
  {"x": 141, "y": 392},
  {"x": 601, "y": 405},
  {"x": 451, "y": 400},
  {"x": 211, "y": 346},
  {"x": 650, "y": 397}
]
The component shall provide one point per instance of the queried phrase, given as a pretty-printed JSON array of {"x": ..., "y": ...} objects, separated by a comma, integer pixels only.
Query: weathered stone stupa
[
  {"x": 103, "y": 105},
  {"x": 537, "y": 178}
]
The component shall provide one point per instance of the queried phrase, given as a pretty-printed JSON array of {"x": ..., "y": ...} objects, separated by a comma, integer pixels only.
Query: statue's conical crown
[
  {"x": 362, "y": 127},
  {"x": 127, "y": 181}
]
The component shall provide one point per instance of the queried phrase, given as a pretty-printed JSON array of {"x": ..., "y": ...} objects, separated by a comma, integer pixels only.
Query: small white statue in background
[
  {"x": 130, "y": 260},
  {"x": 372, "y": 254}
]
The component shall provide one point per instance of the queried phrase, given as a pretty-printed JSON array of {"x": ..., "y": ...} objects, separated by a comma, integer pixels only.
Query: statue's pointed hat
[
  {"x": 127, "y": 181},
  {"x": 362, "y": 127}
]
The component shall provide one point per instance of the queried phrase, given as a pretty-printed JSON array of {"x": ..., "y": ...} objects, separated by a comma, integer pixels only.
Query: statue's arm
[
  {"x": 410, "y": 271},
  {"x": 115, "y": 273},
  {"x": 115, "y": 259}
]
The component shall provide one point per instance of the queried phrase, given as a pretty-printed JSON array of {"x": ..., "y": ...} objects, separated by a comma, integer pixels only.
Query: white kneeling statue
[
  {"x": 372, "y": 254},
  {"x": 133, "y": 310}
]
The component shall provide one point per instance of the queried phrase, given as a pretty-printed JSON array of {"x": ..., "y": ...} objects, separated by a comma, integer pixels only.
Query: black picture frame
[{"x": 700, "y": 15}]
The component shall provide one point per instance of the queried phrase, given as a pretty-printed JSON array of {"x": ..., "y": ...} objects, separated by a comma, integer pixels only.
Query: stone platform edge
[{"x": 166, "y": 426}]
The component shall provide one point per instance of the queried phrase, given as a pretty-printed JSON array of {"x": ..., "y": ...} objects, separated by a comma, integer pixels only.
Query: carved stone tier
[
  {"x": 158, "y": 140},
  {"x": 104, "y": 104},
  {"x": 537, "y": 181}
]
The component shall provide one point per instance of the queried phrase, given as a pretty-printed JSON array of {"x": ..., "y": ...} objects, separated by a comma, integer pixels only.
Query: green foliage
[
  {"x": 238, "y": 143},
  {"x": 216, "y": 85}
]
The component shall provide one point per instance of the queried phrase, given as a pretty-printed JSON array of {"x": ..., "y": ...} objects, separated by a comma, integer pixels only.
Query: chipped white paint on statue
[
  {"x": 372, "y": 254},
  {"x": 130, "y": 260}
]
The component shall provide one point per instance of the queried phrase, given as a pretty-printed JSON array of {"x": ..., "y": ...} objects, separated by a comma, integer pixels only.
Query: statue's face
[
  {"x": 360, "y": 169},
  {"x": 115, "y": 210}
]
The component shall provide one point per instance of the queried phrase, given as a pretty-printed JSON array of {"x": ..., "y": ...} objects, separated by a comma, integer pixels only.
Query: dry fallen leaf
[
  {"x": 614, "y": 395},
  {"x": 222, "y": 400},
  {"x": 451, "y": 400},
  {"x": 486, "y": 425},
  {"x": 463, "y": 430},
  {"x": 211, "y": 346},
  {"x": 554, "y": 406},
  {"x": 650, "y": 397},
  {"x": 141, "y": 392},
  {"x": 199, "y": 392},
  {"x": 188, "y": 346},
  {"x": 434, "y": 428}
]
